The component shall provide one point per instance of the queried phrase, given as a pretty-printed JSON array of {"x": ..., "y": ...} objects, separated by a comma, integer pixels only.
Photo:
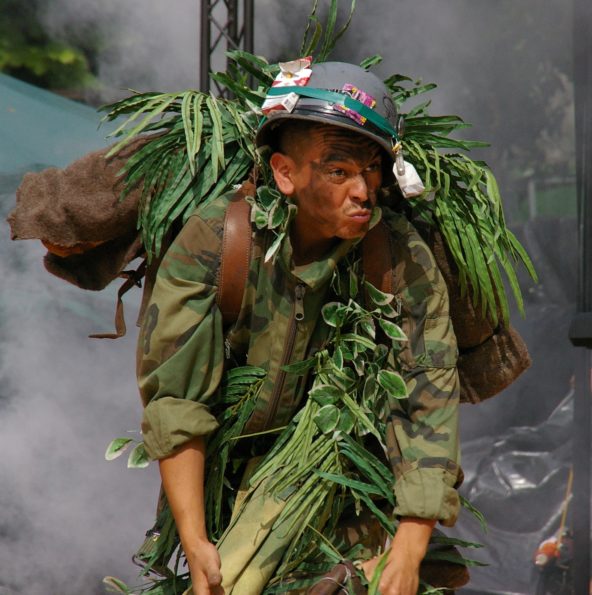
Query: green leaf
[
  {"x": 392, "y": 330},
  {"x": 453, "y": 558},
  {"x": 277, "y": 215},
  {"x": 268, "y": 196},
  {"x": 476, "y": 513},
  {"x": 373, "y": 587},
  {"x": 347, "y": 482},
  {"x": 138, "y": 458},
  {"x": 338, "y": 358},
  {"x": 300, "y": 368},
  {"x": 361, "y": 417},
  {"x": 259, "y": 217},
  {"x": 217, "y": 139},
  {"x": 393, "y": 383},
  {"x": 359, "y": 340},
  {"x": 346, "y": 421},
  {"x": 114, "y": 585},
  {"x": 333, "y": 313},
  {"x": 327, "y": 418},
  {"x": 353, "y": 284},
  {"x": 455, "y": 541},
  {"x": 275, "y": 246},
  {"x": 197, "y": 125},
  {"x": 117, "y": 447},
  {"x": 325, "y": 394},
  {"x": 371, "y": 61},
  {"x": 141, "y": 126},
  {"x": 378, "y": 297}
]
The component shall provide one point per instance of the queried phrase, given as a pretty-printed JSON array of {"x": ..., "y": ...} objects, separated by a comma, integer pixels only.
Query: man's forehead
[{"x": 334, "y": 143}]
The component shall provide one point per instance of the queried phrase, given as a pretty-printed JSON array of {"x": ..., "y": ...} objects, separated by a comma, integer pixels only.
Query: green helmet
[{"x": 339, "y": 94}]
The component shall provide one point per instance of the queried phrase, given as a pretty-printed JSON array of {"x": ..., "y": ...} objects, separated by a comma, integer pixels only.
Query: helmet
[{"x": 339, "y": 94}]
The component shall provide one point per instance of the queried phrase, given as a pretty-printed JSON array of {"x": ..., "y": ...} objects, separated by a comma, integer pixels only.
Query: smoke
[
  {"x": 143, "y": 45},
  {"x": 68, "y": 516}
]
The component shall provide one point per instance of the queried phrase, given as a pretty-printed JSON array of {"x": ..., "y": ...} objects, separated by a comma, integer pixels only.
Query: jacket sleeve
[
  {"x": 181, "y": 343},
  {"x": 422, "y": 430}
]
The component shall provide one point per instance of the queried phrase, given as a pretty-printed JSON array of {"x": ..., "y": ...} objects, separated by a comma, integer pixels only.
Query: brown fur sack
[{"x": 77, "y": 213}]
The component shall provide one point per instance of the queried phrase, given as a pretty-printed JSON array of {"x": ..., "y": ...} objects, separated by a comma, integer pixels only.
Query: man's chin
[{"x": 354, "y": 233}]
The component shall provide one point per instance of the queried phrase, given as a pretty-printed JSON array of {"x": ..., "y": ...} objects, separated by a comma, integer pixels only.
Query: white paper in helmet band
[
  {"x": 292, "y": 74},
  {"x": 289, "y": 101},
  {"x": 409, "y": 182}
]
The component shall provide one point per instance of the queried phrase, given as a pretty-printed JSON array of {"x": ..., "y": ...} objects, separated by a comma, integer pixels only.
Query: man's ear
[{"x": 283, "y": 168}]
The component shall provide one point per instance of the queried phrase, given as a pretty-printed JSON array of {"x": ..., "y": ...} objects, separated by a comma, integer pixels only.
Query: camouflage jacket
[{"x": 183, "y": 350}]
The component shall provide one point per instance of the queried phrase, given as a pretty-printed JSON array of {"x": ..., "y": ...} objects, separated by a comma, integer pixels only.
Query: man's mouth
[{"x": 362, "y": 216}]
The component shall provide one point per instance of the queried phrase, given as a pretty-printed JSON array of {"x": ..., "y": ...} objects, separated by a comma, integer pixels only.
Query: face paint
[{"x": 336, "y": 175}]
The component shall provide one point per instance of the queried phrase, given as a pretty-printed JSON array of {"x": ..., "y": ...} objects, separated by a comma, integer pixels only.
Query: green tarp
[{"x": 40, "y": 129}]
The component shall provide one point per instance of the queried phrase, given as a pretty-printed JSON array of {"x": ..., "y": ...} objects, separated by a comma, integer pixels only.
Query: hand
[
  {"x": 204, "y": 565},
  {"x": 400, "y": 575}
]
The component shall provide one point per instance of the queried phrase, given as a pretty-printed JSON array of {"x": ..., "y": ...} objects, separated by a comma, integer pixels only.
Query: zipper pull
[{"x": 299, "y": 305}]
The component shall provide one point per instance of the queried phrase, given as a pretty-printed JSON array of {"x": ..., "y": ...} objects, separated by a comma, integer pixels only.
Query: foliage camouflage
[
  {"x": 357, "y": 383},
  {"x": 202, "y": 146}
]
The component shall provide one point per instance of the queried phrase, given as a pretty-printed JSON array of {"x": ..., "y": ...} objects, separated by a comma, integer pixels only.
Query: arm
[
  {"x": 180, "y": 349},
  {"x": 183, "y": 481},
  {"x": 422, "y": 430},
  {"x": 180, "y": 362}
]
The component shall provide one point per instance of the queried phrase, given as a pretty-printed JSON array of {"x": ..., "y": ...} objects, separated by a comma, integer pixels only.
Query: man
[{"x": 330, "y": 159}]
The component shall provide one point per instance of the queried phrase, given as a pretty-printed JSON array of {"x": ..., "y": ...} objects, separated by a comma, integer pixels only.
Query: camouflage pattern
[
  {"x": 183, "y": 350},
  {"x": 422, "y": 434}
]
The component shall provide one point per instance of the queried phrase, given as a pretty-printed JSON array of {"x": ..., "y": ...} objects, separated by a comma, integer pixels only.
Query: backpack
[{"x": 91, "y": 236}]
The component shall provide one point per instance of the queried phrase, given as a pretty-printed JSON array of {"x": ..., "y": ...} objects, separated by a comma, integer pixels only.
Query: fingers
[
  {"x": 204, "y": 585},
  {"x": 398, "y": 581},
  {"x": 204, "y": 564},
  {"x": 212, "y": 570},
  {"x": 369, "y": 566}
]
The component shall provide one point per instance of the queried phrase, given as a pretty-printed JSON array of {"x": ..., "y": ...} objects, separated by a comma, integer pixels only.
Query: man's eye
[
  {"x": 337, "y": 172},
  {"x": 373, "y": 167}
]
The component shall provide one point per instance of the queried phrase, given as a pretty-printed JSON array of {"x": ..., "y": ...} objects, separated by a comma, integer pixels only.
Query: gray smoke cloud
[
  {"x": 68, "y": 516},
  {"x": 144, "y": 45}
]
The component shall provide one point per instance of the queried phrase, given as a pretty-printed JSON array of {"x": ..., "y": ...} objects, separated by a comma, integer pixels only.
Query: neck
[{"x": 306, "y": 246}]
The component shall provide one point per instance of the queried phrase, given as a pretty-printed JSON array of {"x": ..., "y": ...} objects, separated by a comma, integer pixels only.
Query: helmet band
[{"x": 341, "y": 99}]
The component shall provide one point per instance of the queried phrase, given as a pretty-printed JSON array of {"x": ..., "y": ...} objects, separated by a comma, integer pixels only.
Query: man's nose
[{"x": 359, "y": 188}]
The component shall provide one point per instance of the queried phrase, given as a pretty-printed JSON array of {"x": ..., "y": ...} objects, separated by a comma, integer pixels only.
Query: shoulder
[
  {"x": 422, "y": 295},
  {"x": 212, "y": 214},
  {"x": 195, "y": 250},
  {"x": 413, "y": 261}
]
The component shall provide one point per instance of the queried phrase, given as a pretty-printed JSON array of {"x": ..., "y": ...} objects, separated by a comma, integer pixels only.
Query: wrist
[
  {"x": 192, "y": 536},
  {"x": 412, "y": 538}
]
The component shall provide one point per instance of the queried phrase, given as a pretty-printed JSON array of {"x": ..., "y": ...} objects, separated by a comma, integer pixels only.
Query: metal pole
[
  {"x": 204, "y": 47},
  {"x": 581, "y": 327},
  {"x": 228, "y": 33},
  {"x": 249, "y": 21}
]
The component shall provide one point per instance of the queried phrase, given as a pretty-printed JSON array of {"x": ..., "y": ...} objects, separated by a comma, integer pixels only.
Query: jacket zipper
[{"x": 296, "y": 317}]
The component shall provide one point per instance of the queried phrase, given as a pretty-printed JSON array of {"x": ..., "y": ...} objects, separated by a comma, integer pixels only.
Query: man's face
[{"x": 333, "y": 178}]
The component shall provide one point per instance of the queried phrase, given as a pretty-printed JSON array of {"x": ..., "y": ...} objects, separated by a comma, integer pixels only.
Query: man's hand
[
  {"x": 400, "y": 575},
  {"x": 204, "y": 565}
]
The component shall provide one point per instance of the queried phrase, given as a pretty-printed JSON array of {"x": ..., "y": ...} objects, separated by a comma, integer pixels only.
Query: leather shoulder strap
[
  {"x": 235, "y": 258},
  {"x": 376, "y": 258}
]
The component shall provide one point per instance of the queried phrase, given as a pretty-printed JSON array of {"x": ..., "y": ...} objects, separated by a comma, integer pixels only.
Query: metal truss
[{"x": 225, "y": 25}]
